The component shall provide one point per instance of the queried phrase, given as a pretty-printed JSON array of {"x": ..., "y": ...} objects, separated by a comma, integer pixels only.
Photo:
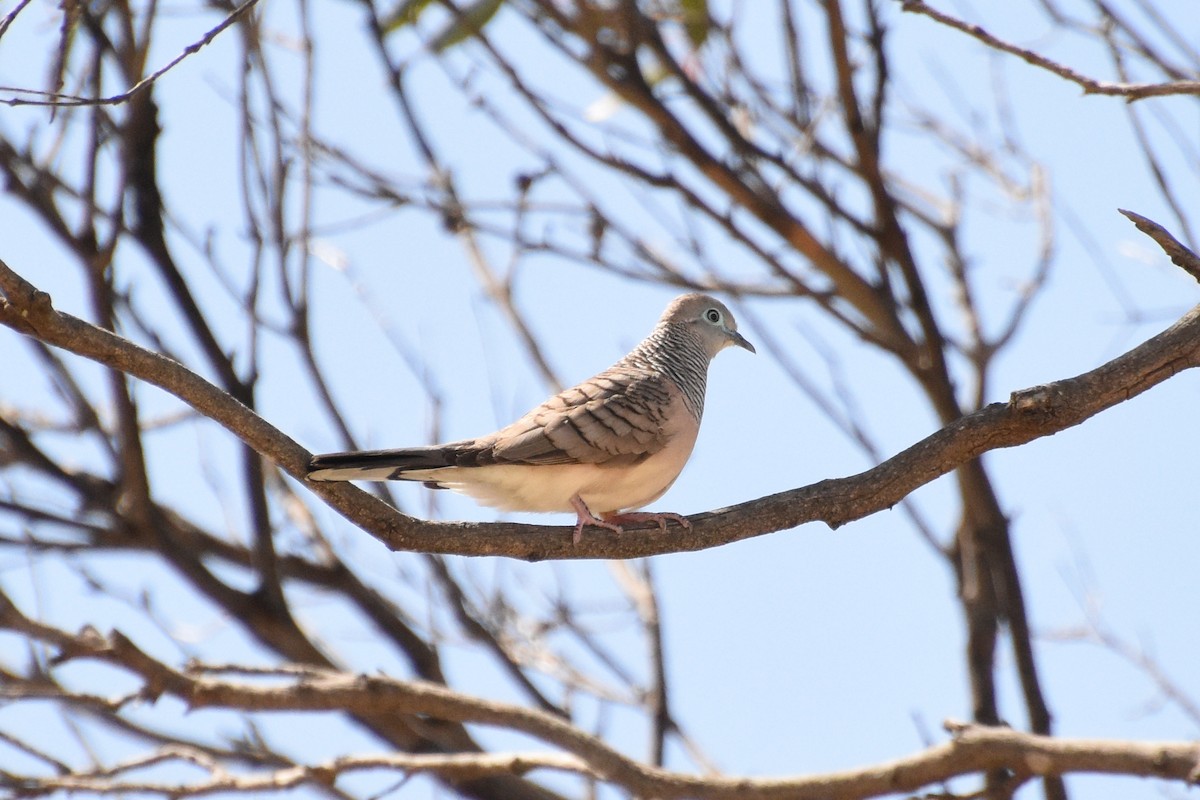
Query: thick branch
[{"x": 1030, "y": 414}]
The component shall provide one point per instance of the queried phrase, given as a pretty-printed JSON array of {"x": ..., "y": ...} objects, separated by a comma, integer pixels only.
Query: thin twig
[
  {"x": 1130, "y": 91},
  {"x": 61, "y": 100}
]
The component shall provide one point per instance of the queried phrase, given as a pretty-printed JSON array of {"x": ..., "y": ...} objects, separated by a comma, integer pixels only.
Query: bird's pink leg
[
  {"x": 661, "y": 518},
  {"x": 614, "y": 522},
  {"x": 586, "y": 517}
]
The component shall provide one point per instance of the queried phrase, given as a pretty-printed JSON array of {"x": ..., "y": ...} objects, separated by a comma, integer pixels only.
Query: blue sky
[{"x": 804, "y": 651}]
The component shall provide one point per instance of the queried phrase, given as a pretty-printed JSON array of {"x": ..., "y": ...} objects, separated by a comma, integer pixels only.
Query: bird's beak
[{"x": 740, "y": 341}]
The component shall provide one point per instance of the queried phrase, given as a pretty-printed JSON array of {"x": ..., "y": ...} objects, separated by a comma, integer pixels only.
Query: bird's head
[{"x": 708, "y": 319}]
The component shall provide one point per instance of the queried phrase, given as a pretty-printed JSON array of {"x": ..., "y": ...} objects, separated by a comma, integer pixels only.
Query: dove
[{"x": 601, "y": 449}]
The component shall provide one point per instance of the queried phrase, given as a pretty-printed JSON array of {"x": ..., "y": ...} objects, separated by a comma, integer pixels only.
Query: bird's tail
[{"x": 378, "y": 465}]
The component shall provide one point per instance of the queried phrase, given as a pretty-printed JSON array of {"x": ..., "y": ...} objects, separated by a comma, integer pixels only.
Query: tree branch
[
  {"x": 1130, "y": 91},
  {"x": 62, "y": 100},
  {"x": 457, "y": 766},
  {"x": 1030, "y": 414},
  {"x": 972, "y": 749},
  {"x": 1180, "y": 255}
]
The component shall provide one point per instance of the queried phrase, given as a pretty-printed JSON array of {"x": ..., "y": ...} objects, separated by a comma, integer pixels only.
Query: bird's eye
[{"x": 712, "y": 315}]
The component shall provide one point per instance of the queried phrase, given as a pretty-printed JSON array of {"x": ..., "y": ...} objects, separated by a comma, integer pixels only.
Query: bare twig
[
  {"x": 1130, "y": 91},
  {"x": 454, "y": 766},
  {"x": 62, "y": 100},
  {"x": 8, "y": 18},
  {"x": 972, "y": 749},
  {"x": 1179, "y": 254}
]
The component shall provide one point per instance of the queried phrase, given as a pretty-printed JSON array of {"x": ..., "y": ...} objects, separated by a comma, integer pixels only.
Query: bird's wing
[
  {"x": 619, "y": 418},
  {"x": 616, "y": 418}
]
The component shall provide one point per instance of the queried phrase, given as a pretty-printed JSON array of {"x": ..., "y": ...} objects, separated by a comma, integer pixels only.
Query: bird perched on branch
[{"x": 612, "y": 444}]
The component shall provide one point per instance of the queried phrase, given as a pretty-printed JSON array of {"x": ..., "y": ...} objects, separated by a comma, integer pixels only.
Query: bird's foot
[
  {"x": 615, "y": 522},
  {"x": 659, "y": 517},
  {"x": 586, "y": 517}
]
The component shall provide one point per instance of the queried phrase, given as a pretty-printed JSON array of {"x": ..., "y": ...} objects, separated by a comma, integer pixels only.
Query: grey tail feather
[{"x": 400, "y": 460}]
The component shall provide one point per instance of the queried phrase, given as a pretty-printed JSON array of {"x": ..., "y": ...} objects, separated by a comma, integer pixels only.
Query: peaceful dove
[{"x": 614, "y": 443}]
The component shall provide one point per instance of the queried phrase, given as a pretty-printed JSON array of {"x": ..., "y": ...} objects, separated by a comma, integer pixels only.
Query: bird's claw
[
  {"x": 660, "y": 518},
  {"x": 615, "y": 522},
  {"x": 599, "y": 523}
]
